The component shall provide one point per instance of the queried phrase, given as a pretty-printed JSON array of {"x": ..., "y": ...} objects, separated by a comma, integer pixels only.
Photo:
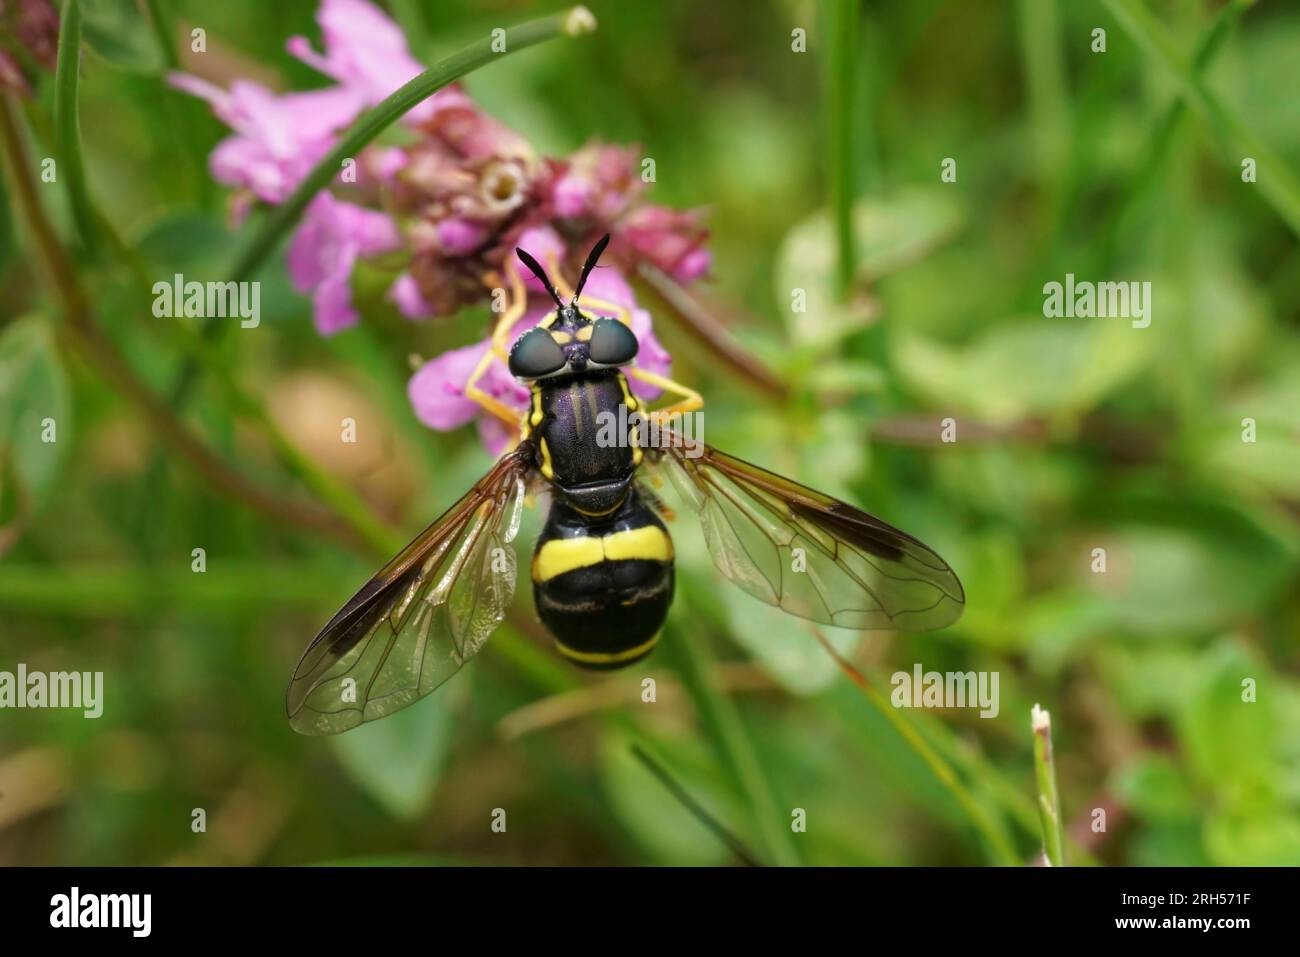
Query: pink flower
[
  {"x": 405, "y": 294},
  {"x": 465, "y": 189},
  {"x": 670, "y": 239},
  {"x": 366, "y": 53},
  {"x": 332, "y": 236},
  {"x": 601, "y": 190},
  {"x": 277, "y": 139}
]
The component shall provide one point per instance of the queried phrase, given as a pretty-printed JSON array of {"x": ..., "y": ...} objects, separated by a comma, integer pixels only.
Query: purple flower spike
[
  {"x": 325, "y": 248},
  {"x": 277, "y": 139},
  {"x": 366, "y": 53}
]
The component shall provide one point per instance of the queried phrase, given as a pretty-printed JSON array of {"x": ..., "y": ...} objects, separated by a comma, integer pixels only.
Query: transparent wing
[
  {"x": 807, "y": 553},
  {"x": 421, "y": 617}
]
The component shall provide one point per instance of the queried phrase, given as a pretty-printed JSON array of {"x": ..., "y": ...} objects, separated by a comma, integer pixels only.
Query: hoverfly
[{"x": 602, "y": 568}]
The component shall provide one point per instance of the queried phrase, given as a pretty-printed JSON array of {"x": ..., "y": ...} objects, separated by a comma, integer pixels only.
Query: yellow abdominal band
[
  {"x": 606, "y": 657},
  {"x": 560, "y": 555}
]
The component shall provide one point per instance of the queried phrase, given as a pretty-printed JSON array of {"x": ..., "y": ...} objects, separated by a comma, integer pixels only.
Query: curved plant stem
[{"x": 573, "y": 22}]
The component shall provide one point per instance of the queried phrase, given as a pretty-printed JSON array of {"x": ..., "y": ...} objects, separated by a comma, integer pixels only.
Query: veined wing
[
  {"x": 422, "y": 616},
  {"x": 808, "y": 553}
]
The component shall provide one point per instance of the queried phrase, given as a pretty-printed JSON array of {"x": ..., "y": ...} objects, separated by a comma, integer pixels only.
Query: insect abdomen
[{"x": 603, "y": 588}]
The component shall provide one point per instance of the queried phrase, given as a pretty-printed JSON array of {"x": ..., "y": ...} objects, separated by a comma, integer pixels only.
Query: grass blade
[
  {"x": 1049, "y": 801},
  {"x": 943, "y": 771},
  {"x": 1278, "y": 185},
  {"x": 701, "y": 813}
]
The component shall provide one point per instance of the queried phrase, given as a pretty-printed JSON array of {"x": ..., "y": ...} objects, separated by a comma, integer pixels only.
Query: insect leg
[
  {"x": 512, "y": 314},
  {"x": 497, "y": 350},
  {"x": 492, "y": 404},
  {"x": 690, "y": 400}
]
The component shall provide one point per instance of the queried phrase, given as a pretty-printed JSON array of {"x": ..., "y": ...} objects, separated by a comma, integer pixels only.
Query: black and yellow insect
[{"x": 603, "y": 567}]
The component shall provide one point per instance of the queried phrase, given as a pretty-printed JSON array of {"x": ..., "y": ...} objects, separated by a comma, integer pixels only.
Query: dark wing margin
[
  {"x": 805, "y": 552},
  {"x": 422, "y": 616}
]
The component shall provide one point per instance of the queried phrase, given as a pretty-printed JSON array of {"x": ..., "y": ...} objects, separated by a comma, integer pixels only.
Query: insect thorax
[{"x": 586, "y": 436}]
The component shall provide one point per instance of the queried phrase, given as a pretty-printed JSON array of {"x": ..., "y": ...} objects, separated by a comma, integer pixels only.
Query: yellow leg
[
  {"x": 510, "y": 315},
  {"x": 500, "y": 342},
  {"x": 690, "y": 400},
  {"x": 493, "y": 405}
]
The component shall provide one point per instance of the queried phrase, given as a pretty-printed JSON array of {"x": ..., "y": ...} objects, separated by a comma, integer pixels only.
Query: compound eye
[
  {"x": 612, "y": 343},
  {"x": 535, "y": 355}
]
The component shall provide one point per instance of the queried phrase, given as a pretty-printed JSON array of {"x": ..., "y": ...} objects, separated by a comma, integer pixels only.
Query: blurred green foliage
[{"x": 1072, "y": 435}]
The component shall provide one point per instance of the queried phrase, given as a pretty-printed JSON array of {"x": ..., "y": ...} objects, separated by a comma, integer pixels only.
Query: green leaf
[
  {"x": 1155, "y": 788},
  {"x": 1192, "y": 571},
  {"x": 6, "y": 225},
  {"x": 398, "y": 761},
  {"x": 1231, "y": 743},
  {"x": 34, "y": 403},
  {"x": 1253, "y": 840},
  {"x": 782, "y": 645},
  {"x": 119, "y": 33},
  {"x": 1028, "y": 366},
  {"x": 889, "y": 234}
]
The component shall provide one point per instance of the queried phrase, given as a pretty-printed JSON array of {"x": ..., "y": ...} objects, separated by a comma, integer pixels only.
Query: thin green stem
[
  {"x": 1277, "y": 184},
  {"x": 161, "y": 22},
  {"x": 1049, "y": 801},
  {"x": 67, "y": 131},
  {"x": 698, "y": 810},
  {"x": 1207, "y": 48},
  {"x": 1044, "y": 65}
]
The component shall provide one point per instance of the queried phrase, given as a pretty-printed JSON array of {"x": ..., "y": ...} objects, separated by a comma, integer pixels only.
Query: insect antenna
[
  {"x": 590, "y": 264},
  {"x": 536, "y": 269}
]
